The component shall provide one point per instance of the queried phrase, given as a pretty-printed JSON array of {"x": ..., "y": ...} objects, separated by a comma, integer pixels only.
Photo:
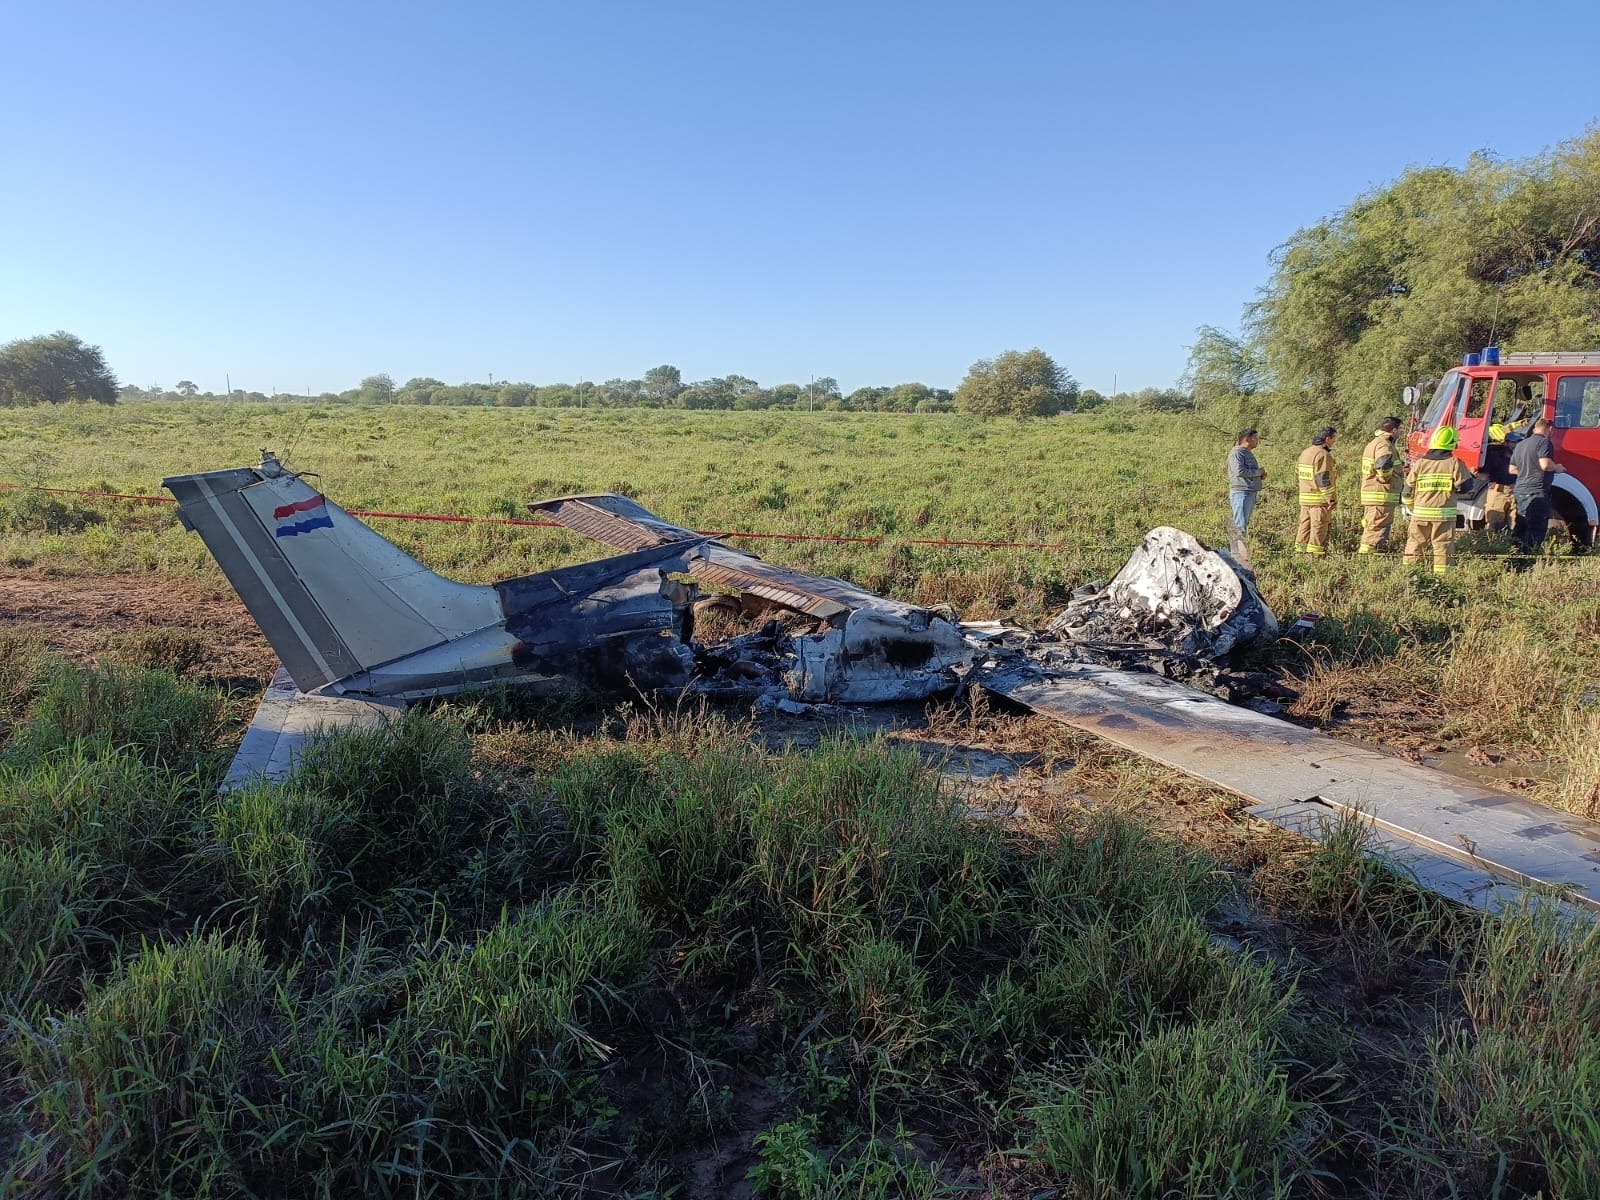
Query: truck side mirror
[{"x": 1408, "y": 397}]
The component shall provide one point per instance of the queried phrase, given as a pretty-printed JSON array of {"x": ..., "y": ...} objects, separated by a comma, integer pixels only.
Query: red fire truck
[{"x": 1512, "y": 390}]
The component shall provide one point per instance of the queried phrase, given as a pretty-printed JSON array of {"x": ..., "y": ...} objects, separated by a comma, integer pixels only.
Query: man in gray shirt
[
  {"x": 1532, "y": 464},
  {"x": 1245, "y": 477}
]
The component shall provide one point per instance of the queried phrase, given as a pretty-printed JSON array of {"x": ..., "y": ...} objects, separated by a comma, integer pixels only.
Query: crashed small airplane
[
  {"x": 351, "y": 614},
  {"x": 362, "y": 628}
]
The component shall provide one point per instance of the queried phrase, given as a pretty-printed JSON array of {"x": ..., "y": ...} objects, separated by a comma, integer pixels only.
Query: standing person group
[{"x": 1432, "y": 486}]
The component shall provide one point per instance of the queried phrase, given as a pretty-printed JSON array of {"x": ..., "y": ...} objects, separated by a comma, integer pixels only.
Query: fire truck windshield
[{"x": 1439, "y": 406}]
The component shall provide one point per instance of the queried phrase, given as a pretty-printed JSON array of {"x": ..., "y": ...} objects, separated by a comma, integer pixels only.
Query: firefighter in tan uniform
[
  {"x": 1435, "y": 480},
  {"x": 1381, "y": 480},
  {"x": 1317, "y": 478}
]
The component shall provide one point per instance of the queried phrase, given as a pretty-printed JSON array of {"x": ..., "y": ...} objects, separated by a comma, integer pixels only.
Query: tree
[
  {"x": 1394, "y": 288},
  {"x": 662, "y": 384},
  {"x": 420, "y": 389},
  {"x": 1221, "y": 366},
  {"x": 1017, "y": 384},
  {"x": 377, "y": 389},
  {"x": 187, "y": 389},
  {"x": 823, "y": 392},
  {"x": 53, "y": 368}
]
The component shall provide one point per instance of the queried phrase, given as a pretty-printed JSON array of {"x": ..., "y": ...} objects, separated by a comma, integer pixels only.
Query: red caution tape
[{"x": 722, "y": 533}]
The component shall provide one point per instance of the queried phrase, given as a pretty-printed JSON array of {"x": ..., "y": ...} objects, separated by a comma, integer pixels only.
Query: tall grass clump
[
  {"x": 401, "y": 793},
  {"x": 531, "y": 997},
  {"x": 159, "y": 1085},
  {"x": 25, "y": 663},
  {"x": 148, "y": 713},
  {"x": 125, "y": 821},
  {"x": 1485, "y": 684},
  {"x": 1515, "y": 1093},
  {"x": 1108, "y": 937},
  {"x": 47, "y": 913},
  {"x": 1354, "y": 899},
  {"x": 681, "y": 848},
  {"x": 284, "y": 853},
  {"x": 861, "y": 837},
  {"x": 1199, "y": 1110},
  {"x": 1578, "y": 748},
  {"x": 479, "y": 1065}
]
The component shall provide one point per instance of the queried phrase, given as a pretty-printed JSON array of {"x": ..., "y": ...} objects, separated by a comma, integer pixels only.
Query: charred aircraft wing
[
  {"x": 1473, "y": 839},
  {"x": 350, "y": 613},
  {"x": 870, "y": 649}
]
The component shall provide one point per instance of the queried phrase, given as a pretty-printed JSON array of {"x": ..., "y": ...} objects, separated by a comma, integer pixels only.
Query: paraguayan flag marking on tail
[{"x": 311, "y": 514}]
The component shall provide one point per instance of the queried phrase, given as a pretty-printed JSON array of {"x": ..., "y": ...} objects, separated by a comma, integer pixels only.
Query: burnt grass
[{"x": 554, "y": 949}]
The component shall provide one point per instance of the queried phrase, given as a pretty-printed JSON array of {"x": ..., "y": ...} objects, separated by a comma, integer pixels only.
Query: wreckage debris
[
  {"x": 351, "y": 614},
  {"x": 1173, "y": 594},
  {"x": 363, "y": 625},
  {"x": 864, "y": 647},
  {"x": 1176, "y": 609}
]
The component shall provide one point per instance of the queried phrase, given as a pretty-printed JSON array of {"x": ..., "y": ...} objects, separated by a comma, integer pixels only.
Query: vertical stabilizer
[{"x": 332, "y": 597}]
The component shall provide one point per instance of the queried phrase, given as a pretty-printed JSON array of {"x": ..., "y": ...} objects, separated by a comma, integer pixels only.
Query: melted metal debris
[
  {"x": 1176, "y": 609},
  {"x": 1174, "y": 595}
]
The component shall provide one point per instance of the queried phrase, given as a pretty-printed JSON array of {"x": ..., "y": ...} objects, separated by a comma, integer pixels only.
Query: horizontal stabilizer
[{"x": 287, "y": 720}]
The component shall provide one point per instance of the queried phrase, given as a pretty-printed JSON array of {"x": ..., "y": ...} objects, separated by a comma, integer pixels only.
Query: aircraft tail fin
[{"x": 333, "y": 597}]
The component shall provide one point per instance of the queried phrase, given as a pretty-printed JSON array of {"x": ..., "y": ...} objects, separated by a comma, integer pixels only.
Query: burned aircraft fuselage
[{"x": 350, "y": 613}]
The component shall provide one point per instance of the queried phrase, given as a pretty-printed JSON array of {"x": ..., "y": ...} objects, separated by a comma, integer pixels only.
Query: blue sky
[{"x": 298, "y": 195}]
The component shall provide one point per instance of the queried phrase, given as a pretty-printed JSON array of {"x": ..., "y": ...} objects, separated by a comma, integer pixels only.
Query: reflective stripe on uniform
[{"x": 1310, "y": 493}]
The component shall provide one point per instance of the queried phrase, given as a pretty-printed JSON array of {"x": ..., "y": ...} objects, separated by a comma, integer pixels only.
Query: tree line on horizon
[{"x": 61, "y": 367}]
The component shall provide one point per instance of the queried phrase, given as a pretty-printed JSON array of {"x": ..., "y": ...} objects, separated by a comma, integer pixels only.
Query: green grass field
[{"x": 525, "y": 951}]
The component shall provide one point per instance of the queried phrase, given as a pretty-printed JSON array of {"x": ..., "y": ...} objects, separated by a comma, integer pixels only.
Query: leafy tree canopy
[
  {"x": 1395, "y": 288},
  {"x": 1017, "y": 384},
  {"x": 54, "y": 368}
]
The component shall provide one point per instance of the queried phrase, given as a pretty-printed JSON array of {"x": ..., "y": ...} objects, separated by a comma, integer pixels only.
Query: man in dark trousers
[{"x": 1533, "y": 465}]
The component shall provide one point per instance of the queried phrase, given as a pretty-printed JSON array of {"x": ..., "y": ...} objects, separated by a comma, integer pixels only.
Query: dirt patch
[{"x": 196, "y": 627}]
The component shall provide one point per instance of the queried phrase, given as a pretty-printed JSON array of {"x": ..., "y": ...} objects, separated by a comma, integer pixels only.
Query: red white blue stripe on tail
[{"x": 302, "y": 516}]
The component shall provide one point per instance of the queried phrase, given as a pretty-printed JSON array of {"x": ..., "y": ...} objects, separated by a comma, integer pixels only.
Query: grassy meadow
[{"x": 521, "y": 950}]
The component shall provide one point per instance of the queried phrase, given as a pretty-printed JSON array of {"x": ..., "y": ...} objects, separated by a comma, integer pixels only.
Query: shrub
[{"x": 47, "y": 909}]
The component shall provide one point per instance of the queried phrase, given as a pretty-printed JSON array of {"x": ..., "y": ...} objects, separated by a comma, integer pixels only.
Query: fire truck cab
[{"x": 1513, "y": 391}]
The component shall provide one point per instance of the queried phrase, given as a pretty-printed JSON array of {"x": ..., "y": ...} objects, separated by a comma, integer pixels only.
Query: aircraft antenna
[{"x": 293, "y": 442}]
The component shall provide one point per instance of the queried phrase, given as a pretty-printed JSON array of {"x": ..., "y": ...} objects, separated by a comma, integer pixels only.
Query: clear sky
[{"x": 297, "y": 195}]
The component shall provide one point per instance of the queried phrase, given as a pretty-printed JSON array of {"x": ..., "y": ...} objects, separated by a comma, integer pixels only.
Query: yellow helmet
[
  {"x": 1444, "y": 438},
  {"x": 1497, "y": 434}
]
